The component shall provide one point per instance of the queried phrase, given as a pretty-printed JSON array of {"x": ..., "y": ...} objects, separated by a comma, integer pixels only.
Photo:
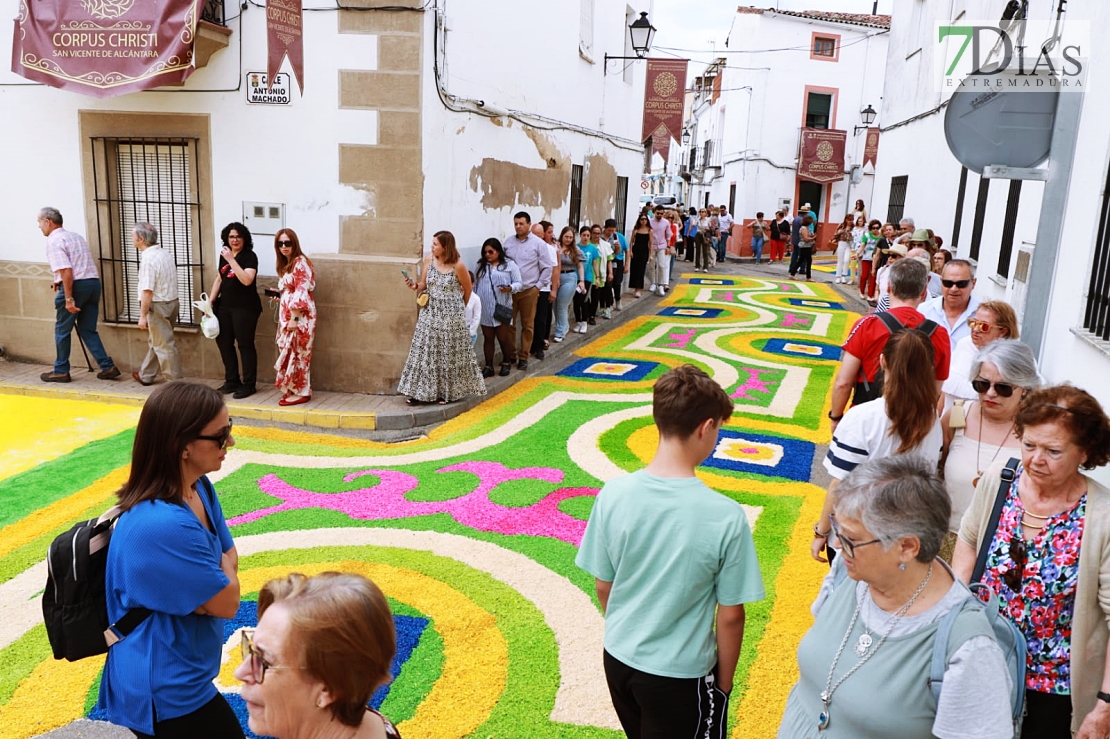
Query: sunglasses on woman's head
[{"x": 1004, "y": 389}]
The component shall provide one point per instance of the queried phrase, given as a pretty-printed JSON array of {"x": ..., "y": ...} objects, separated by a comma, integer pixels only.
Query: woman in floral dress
[
  {"x": 1049, "y": 559},
  {"x": 296, "y": 319},
  {"x": 441, "y": 365}
]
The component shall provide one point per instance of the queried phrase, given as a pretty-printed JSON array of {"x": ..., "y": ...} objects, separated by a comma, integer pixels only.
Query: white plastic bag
[{"x": 209, "y": 324}]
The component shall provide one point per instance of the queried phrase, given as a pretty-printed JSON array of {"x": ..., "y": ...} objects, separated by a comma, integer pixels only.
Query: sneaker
[
  {"x": 662, "y": 291},
  {"x": 109, "y": 374},
  {"x": 244, "y": 391},
  {"x": 651, "y": 288},
  {"x": 618, "y": 306},
  {"x": 488, "y": 371},
  {"x": 228, "y": 387},
  {"x": 55, "y": 377},
  {"x": 558, "y": 339}
]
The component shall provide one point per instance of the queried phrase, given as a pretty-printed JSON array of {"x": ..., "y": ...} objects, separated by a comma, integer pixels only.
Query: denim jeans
[
  {"x": 86, "y": 296},
  {"x": 722, "y": 247},
  {"x": 757, "y": 248},
  {"x": 568, "y": 281}
]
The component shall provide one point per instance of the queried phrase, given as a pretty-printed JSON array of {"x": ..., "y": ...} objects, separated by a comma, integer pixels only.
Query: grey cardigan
[{"x": 1090, "y": 629}]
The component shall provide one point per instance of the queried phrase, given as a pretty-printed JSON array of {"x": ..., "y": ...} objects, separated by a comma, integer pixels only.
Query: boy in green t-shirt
[{"x": 670, "y": 558}]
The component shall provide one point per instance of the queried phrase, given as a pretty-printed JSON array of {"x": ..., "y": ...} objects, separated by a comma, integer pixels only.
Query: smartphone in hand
[{"x": 270, "y": 293}]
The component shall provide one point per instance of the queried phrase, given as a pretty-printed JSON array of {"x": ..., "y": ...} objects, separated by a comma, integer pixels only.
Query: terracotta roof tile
[{"x": 854, "y": 19}]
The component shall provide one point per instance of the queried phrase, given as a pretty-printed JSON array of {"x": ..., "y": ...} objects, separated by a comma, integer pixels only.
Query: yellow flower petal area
[
  {"x": 476, "y": 657},
  {"x": 61, "y": 512},
  {"x": 58, "y": 684},
  {"x": 36, "y": 437},
  {"x": 774, "y": 670}
]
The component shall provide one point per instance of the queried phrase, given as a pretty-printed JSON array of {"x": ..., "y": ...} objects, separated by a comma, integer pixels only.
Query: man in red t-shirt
[{"x": 909, "y": 281}]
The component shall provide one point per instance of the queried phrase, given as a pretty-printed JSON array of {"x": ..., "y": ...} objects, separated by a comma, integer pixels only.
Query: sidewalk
[{"x": 327, "y": 410}]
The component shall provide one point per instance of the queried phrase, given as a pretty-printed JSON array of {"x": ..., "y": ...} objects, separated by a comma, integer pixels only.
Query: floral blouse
[{"x": 1044, "y": 608}]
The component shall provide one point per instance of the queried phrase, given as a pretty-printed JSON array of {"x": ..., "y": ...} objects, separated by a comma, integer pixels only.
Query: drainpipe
[{"x": 1042, "y": 271}]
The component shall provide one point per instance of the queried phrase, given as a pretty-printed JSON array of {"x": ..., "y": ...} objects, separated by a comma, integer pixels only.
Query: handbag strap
[{"x": 1007, "y": 477}]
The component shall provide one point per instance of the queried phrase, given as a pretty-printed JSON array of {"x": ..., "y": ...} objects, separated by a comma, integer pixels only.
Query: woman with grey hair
[
  {"x": 863, "y": 664},
  {"x": 1002, "y": 373}
]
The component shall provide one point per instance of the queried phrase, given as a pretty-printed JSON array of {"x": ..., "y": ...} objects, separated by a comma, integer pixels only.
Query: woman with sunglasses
[
  {"x": 981, "y": 433},
  {"x": 496, "y": 278},
  {"x": 1049, "y": 559},
  {"x": 296, "y": 319},
  {"x": 863, "y": 664},
  {"x": 234, "y": 299},
  {"x": 641, "y": 250},
  {"x": 903, "y": 421},
  {"x": 323, "y": 645},
  {"x": 992, "y": 320},
  {"x": 865, "y": 254},
  {"x": 172, "y": 554}
]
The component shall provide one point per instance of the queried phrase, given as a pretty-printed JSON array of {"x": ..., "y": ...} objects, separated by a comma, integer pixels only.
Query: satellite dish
[{"x": 1000, "y": 126}]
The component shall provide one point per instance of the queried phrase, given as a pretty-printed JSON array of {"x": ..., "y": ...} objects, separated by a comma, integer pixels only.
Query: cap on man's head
[
  {"x": 923, "y": 236},
  {"x": 807, "y": 206}
]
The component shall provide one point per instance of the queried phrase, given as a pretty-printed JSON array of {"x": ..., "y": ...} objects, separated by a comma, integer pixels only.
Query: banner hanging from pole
[
  {"x": 285, "y": 38},
  {"x": 822, "y": 157},
  {"x": 664, "y": 100},
  {"x": 871, "y": 147},
  {"x": 105, "y": 48}
]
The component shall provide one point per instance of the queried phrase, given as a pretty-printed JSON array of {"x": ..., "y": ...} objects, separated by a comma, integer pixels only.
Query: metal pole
[{"x": 1042, "y": 271}]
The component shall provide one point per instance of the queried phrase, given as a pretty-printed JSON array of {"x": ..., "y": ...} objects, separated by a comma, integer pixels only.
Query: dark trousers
[
  {"x": 655, "y": 707},
  {"x": 584, "y": 305},
  {"x": 618, "y": 280},
  {"x": 503, "y": 334},
  {"x": 237, "y": 327},
  {"x": 640, "y": 253},
  {"x": 542, "y": 325},
  {"x": 793, "y": 258},
  {"x": 805, "y": 261},
  {"x": 213, "y": 720},
  {"x": 1047, "y": 716},
  {"x": 86, "y": 296}
]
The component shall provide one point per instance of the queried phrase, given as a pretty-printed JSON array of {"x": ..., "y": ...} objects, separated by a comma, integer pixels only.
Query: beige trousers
[{"x": 162, "y": 352}]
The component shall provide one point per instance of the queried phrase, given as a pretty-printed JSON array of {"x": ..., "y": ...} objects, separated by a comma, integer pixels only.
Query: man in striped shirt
[{"x": 76, "y": 297}]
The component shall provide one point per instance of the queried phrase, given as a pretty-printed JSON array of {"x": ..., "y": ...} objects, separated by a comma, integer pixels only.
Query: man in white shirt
[
  {"x": 725, "y": 221},
  {"x": 956, "y": 302},
  {"x": 533, "y": 258},
  {"x": 158, "y": 306}
]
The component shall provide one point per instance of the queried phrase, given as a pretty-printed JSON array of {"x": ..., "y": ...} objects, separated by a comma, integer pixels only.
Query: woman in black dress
[
  {"x": 641, "y": 247},
  {"x": 237, "y": 306}
]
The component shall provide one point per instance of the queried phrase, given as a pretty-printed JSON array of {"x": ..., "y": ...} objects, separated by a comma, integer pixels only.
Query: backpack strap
[
  {"x": 928, "y": 327},
  {"x": 130, "y": 621},
  {"x": 893, "y": 325},
  {"x": 1006, "y": 477},
  {"x": 957, "y": 417},
  {"x": 939, "y": 662}
]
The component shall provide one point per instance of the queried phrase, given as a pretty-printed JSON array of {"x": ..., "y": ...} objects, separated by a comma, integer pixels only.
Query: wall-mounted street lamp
[
  {"x": 685, "y": 137},
  {"x": 642, "y": 33},
  {"x": 867, "y": 115}
]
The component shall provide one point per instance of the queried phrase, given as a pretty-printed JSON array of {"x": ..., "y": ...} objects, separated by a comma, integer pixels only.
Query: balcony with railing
[{"x": 212, "y": 32}]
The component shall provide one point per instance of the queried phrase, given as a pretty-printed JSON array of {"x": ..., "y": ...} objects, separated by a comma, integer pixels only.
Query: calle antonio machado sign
[{"x": 105, "y": 48}]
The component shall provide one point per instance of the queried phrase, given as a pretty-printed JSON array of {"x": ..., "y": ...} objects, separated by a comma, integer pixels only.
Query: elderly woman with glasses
[
  {"x": 173, "y": 566},
  {"x": 992, "y": 320},
  {"x": 323, "y": 645},
  {"x": 1039, "y": 535},
  {"x": 863, "y": 664},
  {"x": 985, "y": 431}
]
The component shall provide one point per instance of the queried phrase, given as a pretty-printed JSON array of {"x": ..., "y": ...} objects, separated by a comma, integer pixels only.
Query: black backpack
[
  {"x": 74, "y": 604},
  {"x": 867, "y": 391}
]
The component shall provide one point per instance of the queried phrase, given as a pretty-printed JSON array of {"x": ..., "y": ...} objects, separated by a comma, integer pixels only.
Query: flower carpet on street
[{"x": 471, "y": 532}]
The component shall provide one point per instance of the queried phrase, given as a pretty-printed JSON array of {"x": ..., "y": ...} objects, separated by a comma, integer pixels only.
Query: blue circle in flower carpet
[
  {"x": 762, "y": 454},
  {"x": 599, "y": 368},
  {"x": 802, "y": 349},
  {"x": 678, "y": 311}
]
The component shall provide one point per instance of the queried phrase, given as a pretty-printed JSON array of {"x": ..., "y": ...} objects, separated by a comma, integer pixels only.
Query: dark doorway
[{"x": 812, "y": 193}]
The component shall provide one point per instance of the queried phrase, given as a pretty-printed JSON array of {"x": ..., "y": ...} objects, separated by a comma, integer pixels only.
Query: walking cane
[{"x": 84, "y": 351}]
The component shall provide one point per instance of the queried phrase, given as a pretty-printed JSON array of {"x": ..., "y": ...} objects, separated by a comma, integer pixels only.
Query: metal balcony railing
[{"x": 213, "y": 12}]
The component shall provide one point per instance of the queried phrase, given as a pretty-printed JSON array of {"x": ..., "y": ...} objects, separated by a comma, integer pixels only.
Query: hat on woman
[
  {"x": 923, "y": 236},
  {"x": 899, "y": 249}
]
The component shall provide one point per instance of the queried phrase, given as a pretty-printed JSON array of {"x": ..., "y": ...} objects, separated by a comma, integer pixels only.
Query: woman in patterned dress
[
  {"x": 441, "y": 365},
  {"x": 323, "y": 645},
  {"x": 1049, "y": 559},
  {"x": 296, "y": 319}
]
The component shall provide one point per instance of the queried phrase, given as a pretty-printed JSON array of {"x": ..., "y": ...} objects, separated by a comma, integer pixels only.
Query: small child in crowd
[
  {"x": 473, "y": 313},
  {"x": 671, "y": 558}
]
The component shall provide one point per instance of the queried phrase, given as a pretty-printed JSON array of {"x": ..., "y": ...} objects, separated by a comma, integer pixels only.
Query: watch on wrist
[
  {"x": 69, "y": 300},
  {"x": 835, "y": 418},
  {"x": 1104, "y": 697}
]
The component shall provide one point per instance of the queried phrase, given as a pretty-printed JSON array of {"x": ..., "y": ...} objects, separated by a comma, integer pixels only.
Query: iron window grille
[
  {"x": 154, "y": 180},
  {"x": 213, "y": 12},
  {"x": 961, "y": 193},
  {"x": 622, "y": 204},
  {"x": 980, "y": 216},
  {"x": 896, "y": 204},
  {"x": 1009, "y": 225},
  {"x": 576, "y": 173},
  {"x": 1096, "y": 317}
]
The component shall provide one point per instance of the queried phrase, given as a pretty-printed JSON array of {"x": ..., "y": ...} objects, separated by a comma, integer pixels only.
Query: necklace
[
  {"x": 979, "y": 445},
  {"x": 827, "y": 694}
]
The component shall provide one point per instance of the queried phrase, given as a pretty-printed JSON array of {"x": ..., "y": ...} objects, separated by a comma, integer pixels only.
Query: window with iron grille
[
  {"x": 896, "y": 204},
  {"x": 1096, "y": 317},
  {"x": 1009, "y": 225},
  {"x": 824, "y": 46},
  {"x": 622, "y": 204},
  {"x": 575, "y": 217},
  {"x": 961, "y": 193},
  {"x": 732, "y": 198},
  {"x": 153, "y": 180},
  {"x": 980, "y": 216}
]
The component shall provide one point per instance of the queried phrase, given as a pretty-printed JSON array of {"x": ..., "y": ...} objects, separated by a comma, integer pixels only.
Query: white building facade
[
  {"x": 1060, "y": 286},
  {"x": 450, "y": 115},
  {"x": 782, "y": 72}
]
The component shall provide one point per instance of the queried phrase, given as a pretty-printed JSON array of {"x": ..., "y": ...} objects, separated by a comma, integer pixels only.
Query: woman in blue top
[
  {"x": 172, "y": 553},
  {"x": 584, "y": 306}
]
